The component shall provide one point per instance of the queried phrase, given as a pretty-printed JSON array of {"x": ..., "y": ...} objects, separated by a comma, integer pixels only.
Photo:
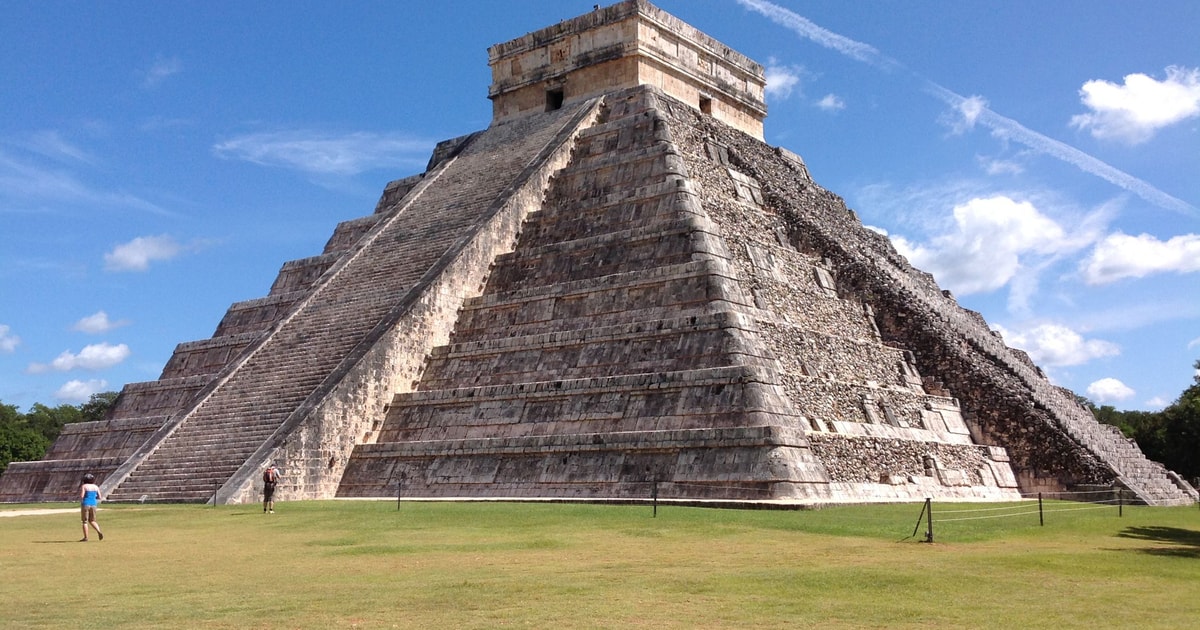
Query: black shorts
[{"x": 268, "y": 491}]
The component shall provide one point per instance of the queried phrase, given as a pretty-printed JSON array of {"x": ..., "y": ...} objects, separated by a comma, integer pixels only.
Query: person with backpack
[
  {"x": 89, "y": 498},
  {"x": 270, "y": 478}
]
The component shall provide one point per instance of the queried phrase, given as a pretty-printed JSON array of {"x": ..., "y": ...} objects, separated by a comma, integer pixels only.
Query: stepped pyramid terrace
[{"x": 616, "y": 289}]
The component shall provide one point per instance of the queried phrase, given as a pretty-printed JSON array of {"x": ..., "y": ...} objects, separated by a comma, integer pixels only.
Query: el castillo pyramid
[{"x": 615, "y": 290}]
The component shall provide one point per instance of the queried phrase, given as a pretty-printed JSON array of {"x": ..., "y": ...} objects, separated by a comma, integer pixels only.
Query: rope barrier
[
  {"x": 990, "y": 509},
  {"x": 1076, "y": 509},
  {"x": 1024, "y": 507},
  {"x": 1034, "y": 495},
  {"x": 976, "y": 518}
]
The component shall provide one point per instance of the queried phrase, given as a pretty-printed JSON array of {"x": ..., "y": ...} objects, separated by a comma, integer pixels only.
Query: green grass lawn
[{"x": 348, "y": 564}]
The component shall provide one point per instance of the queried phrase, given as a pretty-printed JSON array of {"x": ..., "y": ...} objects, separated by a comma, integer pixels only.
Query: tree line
[
  {"x": 1170, "y": 436},
  {"x": 27, "y": 436}
]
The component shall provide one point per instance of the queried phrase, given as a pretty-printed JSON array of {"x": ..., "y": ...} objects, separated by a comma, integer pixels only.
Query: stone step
[
  {"x": 359, "y": 289},
  {"x": 663, "y": 345},
  {"x": 837, "y": 356},
  {"x": 830, "y": 404},
  {"x": 659, "y": 159},
  {"x": 207, "y": 356},
  {"x": 645, "y": 206},
  {"x": 669, "y": 287},
  {"x": 625, "y": 251},
  {"x": 687, "y": 399},
  {"x": 300, "y": 274},
  {"x": 349, "y": 232},
  {"x": 257, "y": 315}
]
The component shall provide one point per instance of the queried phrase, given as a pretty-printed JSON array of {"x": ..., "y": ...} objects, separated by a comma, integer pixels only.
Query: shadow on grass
[{"x": 1178, "y": 542}]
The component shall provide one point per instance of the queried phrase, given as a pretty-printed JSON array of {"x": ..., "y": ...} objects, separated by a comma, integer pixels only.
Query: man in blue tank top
[{"x": 89, "y": 498}]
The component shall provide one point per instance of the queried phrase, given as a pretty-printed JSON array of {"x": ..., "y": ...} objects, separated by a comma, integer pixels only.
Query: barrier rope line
[
  {"x": 990, "y": 509},
  {"x": 989, "y": 516},
  {"x": 1024, "y": 507}
]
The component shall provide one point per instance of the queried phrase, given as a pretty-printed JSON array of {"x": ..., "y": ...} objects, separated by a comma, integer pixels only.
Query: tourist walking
[
  {"x": 89, "y": 498},
  {"x": 270, "y": 478}
]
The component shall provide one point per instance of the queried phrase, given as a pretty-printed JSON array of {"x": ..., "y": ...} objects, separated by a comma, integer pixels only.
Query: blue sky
[{"x": 159, "y": 161}]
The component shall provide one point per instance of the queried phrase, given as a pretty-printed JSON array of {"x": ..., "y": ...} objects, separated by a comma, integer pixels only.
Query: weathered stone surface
[
  {"x": 621, "y": 46},
  {"x": 629, "y": 294}
]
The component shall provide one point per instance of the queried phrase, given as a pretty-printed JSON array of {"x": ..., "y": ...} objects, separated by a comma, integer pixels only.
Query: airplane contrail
[{"x": 1008, "y": 127}]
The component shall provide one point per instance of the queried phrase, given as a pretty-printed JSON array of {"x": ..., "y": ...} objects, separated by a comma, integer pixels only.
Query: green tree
[
  {"x": 27, "y": 436},
  {"x": 49, "y": 421},
  {"x": 19, "y": 444},
  {"x": 9, "y": 415},
  {"x": 97, "y": 406},
  {"x": 18, "y": 440},
  {"x": 1181, "y": 431}
]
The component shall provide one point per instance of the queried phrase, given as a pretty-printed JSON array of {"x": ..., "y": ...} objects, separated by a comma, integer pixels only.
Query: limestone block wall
[
  {"x": 814, "y": 353},
  {"x": 752, "y": 462},
  {"x": 114, "y": 438},
  {"x": 299, "y": 275},
  {"x": 256, "y": 315},
  {"x": 206, "y": 356},
  {"x": 160, "y": 397},
  {"x": 51, "y": 480},
  {"x": 347, "y": 233}
]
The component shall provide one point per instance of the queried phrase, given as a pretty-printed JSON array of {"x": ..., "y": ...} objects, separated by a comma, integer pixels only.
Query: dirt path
[{"x": 37, "y": 511}]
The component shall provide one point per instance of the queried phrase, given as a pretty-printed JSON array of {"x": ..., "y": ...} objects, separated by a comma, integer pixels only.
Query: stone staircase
[
  {"x": 141, "y": 409},
  {"x": 286, "y": 372}
]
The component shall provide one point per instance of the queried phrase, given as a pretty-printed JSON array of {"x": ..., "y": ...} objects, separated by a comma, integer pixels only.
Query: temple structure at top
[{"x": 621, "y": 46}]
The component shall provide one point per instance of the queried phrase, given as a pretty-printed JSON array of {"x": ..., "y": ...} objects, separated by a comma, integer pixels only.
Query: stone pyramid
[{"x": 616, "y": 291}]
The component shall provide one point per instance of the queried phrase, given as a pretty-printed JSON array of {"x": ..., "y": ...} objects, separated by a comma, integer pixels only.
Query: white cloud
[
  {"x": 966, "y": 113},
  {"x": 52, "y": 145},
  {"x": 1014, "y": 131},
  {"x": 821, "y": 36},
  {"x": 1058, "y": 345},
  {"x": 1107, "y": 390},
  {"x": 137, "y": 254},
  {"x": 80, "y": 391},
  {"x": 96, "y": 323},
  {"x": 1135, "y": 111},
  {"x": 8, "y": 341},
  {"x": 160, "y": 70},
  {"x": 782, "y": 79},
  {"x": 25, "y": 183},
  {"x": 1158, "y": 402},
  {"x": 93, "y": 357},
  {"x": 1000, "y": 167},
  {"x": 327, "y": 154},
  {"x": 1122, "y": 256},
  {"x": 987, "y": 244},
  {"x": 1193, "y": 343},
  {"x": 831, "y": 103},
  {"x": 972, "y": 107}
]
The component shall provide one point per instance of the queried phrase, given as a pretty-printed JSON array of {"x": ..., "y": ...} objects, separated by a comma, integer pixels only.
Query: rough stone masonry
[{"x": 615, "y": 291}]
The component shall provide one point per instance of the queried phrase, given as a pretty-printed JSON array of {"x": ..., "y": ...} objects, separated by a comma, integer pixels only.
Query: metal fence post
[{"x": 929, "y": 515}]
